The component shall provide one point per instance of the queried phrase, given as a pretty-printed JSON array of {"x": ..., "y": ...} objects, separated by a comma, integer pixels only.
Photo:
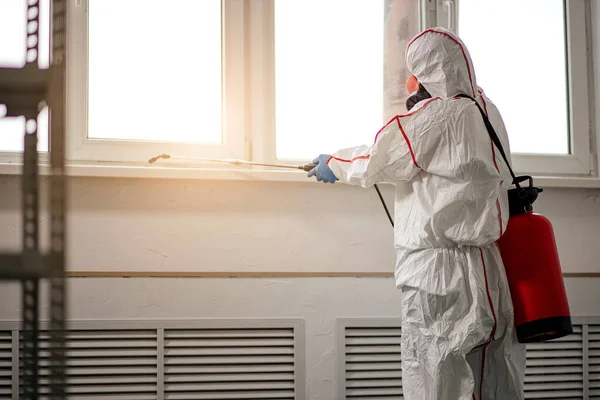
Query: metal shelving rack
[{"x": 25, "y": 91}]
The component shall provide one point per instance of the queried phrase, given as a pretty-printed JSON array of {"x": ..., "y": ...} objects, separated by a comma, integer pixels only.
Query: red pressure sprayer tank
[{"x": 530, "y": 257}]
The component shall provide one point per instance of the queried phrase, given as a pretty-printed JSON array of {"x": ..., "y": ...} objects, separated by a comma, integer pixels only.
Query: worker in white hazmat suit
[{"x": 458, "y": 338}]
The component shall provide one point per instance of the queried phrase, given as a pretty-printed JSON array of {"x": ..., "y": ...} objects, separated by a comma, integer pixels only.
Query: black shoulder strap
[{"x": 492, "y": 133}]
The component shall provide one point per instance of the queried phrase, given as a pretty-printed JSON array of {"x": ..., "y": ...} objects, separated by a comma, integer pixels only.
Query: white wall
[
  {"x": 155, "y": 225},
  {"x": 238, "y": 226},
  {"x": 318, "y": 300},
  {"x": 122, "y": 224}
]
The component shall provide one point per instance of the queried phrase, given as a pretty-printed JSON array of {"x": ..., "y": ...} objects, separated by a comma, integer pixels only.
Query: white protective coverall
[{"x": 458, "y": 338}]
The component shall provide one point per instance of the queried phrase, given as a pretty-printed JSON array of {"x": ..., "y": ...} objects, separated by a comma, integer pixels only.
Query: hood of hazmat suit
[{"x": 458, "y": 339}]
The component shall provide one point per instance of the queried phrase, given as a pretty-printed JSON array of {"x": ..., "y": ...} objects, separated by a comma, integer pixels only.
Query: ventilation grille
[
  {"x": 594, "y": 360},
  {"x": 369, "y": 361},
  {"x": 243, "y": 359},
  {"x": 229, "y": 364},
  {"x": 372, "y": 363},
  {"x": 555, "y": 368},
  {"x": 5, "y": 364},
  {"x": 106, "y": 364}
]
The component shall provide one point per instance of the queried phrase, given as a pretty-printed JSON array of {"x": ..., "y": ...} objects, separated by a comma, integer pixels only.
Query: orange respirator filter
[{"x": 412, "y": 84}]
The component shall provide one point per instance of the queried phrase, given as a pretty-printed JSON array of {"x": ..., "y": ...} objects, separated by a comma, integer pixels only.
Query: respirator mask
[{"x": 417, "y": 92}]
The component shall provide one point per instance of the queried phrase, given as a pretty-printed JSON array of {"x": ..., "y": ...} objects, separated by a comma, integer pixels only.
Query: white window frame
[
  {"x": 262, "y": 84},
  {"x": 261, "y": 63},
  {"x": 80, "y": 148},
  {"x": 249, "y": 106},
  {"x": 580, "y": 161}
]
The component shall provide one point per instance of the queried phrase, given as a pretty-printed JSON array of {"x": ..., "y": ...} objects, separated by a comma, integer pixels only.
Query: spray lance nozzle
[
  {"x": 155, "y": 159},
  {"x": 306, "y": 168}
]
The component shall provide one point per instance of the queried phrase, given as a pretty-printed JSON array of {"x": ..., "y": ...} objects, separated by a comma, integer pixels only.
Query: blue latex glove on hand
[{"x": 322, "y": 170}]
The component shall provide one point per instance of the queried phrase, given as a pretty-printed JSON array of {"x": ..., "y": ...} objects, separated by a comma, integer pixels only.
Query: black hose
[{"x": 384, "y": 205}]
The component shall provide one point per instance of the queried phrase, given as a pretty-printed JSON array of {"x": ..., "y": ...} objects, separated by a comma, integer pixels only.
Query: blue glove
[{"x": 322, "y": 170}]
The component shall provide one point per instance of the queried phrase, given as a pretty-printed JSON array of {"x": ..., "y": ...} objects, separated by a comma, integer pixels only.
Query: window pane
[
  {"x": 13, "y": 31},
  {"x": 523, "y": 72},
  {"x": 329, "y": 75},
  {"x": 155, "y": 70},
  {"x": 12, "y": 131}
]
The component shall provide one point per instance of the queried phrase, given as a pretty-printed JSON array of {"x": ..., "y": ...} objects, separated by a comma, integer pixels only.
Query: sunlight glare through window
[
  {"x": 155, "y": 70},
  {"x": 13, "y": 31},
  {"x": 329, "y": 75},
  {"x": 520, "y": 63}
]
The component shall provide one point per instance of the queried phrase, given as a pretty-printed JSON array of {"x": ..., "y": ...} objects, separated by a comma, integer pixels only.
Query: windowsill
[
  {"x": 166, "y": 172},
  {"x": 238, "y": 174}
]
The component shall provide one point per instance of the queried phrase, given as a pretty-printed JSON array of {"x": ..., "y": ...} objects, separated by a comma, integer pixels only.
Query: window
[
  {"x": 328, "y": 78},
  {"x": 150, "y": 79},
  {"x": 536, "y": 77},
  {"x": 222, "y": 79},
  {"x": 329, "y": 73},
  {"x": 541, "y": 71},
  {"x": 13, "y": 31},
  {"x": 164, "y": 84},
  {"x": 281, "y": 81}
]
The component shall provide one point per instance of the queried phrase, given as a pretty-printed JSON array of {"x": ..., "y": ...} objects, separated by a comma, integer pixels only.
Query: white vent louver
[
  {"x": 371, "y": 355},
  {"x": 229, "y": 364},
  {"x": 5, "y": 364},
  {"x": 594, "y": 360},
  {"x": 244, "y": 359},
  {"x": 369, "y": 362},
  {"x": 555, "y": 368},
  {"x": 109, "y": 364}
]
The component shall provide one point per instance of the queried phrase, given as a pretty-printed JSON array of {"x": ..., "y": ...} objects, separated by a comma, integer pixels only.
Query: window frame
[
  {"x": 261, "y": 82},
  {"x": 262, "y": 85},
  {"x": 249, "y": 33},
  {"x": 580, "y": 161},
  {"x": 80, "y": 148}
]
